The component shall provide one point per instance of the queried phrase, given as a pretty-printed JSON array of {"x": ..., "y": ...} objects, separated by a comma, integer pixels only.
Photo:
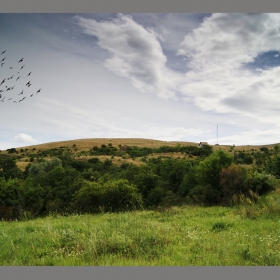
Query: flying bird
[{"x": 7, "y": 87}]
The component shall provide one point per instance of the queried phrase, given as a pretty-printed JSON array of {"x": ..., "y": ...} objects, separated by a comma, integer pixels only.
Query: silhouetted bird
[
  {"x": 2, "y": 64},
  {"x": 21, "y": 93},
  {"x": 28, "y": 83},
  {"x": 20, "y": 60},
  {"x": 2, "y": 81},
  {"x": 29, "y": 74},
  {"x": 17, "y": 78},
  {"x": 31, "y": 95},
  {"x": 21, "y": 67},
  {"x": 3, "y": 59},
  {"x": 38, "y": 90},
  {"x": 14, "y": 102},
  {"x": 11, "y": 67},
  {"x": 3, "y": 52}
]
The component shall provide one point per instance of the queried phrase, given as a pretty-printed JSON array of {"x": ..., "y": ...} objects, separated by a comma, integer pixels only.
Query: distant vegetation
[{"x": 56, "y": 180}]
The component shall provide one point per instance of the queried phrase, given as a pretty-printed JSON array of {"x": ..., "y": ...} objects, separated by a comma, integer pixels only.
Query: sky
[{"x": 170, "y": 77}]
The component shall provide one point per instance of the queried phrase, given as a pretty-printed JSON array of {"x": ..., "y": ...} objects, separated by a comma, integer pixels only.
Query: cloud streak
[{"x": 135, "y": 52}]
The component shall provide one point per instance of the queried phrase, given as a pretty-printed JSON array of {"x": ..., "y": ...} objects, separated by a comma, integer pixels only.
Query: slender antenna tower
[{"x": 217, "y": 136}]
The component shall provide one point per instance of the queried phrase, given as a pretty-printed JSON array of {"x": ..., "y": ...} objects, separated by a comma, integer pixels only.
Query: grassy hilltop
[{"x": 81, "y": 147}]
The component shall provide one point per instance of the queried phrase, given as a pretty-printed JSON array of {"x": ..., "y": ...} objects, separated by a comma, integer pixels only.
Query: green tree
[
  {"x": 8, "y": 168},
  {"x": 11, "y": 198},
  {"x": 208, "y": 175}
]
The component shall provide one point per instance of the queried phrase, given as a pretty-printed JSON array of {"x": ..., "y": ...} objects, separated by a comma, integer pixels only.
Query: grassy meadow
[{"x": 244, "y": 235}]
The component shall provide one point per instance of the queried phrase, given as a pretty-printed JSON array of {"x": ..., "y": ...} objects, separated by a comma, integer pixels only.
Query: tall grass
[
  {"x": 246, "y": 234},
  {"x": 256, "y": 206}
]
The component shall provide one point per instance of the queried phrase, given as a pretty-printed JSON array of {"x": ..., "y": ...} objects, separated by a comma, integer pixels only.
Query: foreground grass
[{"x": 185, "y": 236}]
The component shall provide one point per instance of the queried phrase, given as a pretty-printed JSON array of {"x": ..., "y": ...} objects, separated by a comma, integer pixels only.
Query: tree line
[{"x": 64, "y": 184}]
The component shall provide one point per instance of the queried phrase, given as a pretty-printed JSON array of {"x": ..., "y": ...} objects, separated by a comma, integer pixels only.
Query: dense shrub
[
  {"x": 119, "y": 195},
  {"x": 112, "y": 196},
  {"x": 260, "y": 183},
  {"x": 232, "y": 181},
  {"x": 155, "y": 197},
  {"x": 88, "y": 198}
]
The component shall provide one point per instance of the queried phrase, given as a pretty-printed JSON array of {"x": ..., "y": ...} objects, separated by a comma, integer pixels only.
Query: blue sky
[{"x": 171, "y": 77}]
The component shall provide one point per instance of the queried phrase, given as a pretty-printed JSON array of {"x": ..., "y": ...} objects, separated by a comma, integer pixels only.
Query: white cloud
[
  {"x": 218, "y": 50},
  {"x": 136, "y": 54},
  {"x": 22, "y": 137},
  {"x": 232, "y": 39}
]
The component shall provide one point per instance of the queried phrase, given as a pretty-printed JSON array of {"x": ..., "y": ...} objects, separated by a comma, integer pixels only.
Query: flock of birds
[{"x": 5, "y": 85}]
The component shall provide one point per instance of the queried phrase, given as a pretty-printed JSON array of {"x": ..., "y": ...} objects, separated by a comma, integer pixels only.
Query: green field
[{"x": 245, "y": 235}]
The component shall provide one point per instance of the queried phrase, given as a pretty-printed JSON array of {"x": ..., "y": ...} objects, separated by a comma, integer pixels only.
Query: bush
[
  {"x": 155, "y": 197},
  {"x": 232, "y": 181},
  {"x": 260, "y": 183},
  {"x": 88, "y": 198},
  {"x": 111, "y": 196},
  {"x": 119, "y": 195}
]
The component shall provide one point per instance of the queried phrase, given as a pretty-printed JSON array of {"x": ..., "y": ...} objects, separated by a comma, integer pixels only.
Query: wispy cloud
[{"x": 135, "y": 52}]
